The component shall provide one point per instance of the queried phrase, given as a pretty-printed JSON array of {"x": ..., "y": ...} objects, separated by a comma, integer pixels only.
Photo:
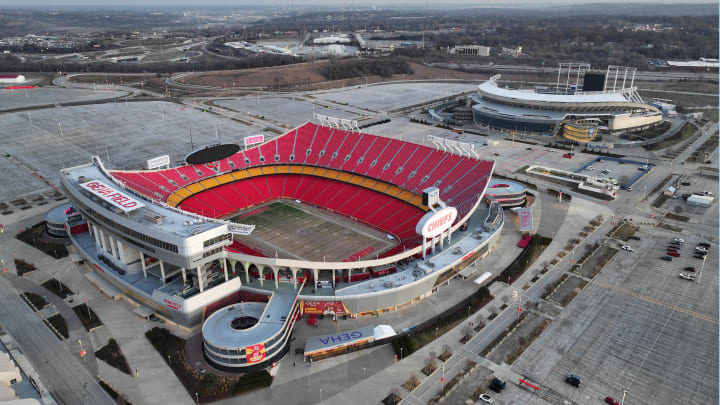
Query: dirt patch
[
  {"x": 87, "y": 316},
  {"x": 625, "y": 231},
  {"x": 22, "y": 267},
  {"x": 307, "y": 76},
  {"x": 58, "y": 322},
  {"x": 682, "y": 135},
  {"x": 595, "y": 263},
  {"x": 515, "y": 344},
  {"x": 568, "y": 290},
  {"x": 36, "y": 302},
  {"x": 112, "y": 355},
  {"x": 411, "y": 383}
]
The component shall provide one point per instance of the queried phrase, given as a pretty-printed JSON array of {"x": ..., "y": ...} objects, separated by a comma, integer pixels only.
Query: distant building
[
  {"x": 702, "y": 64},
  {"x": 11, "y": 79},
  {"x": 477, "y": 50},
  {"x": 514, "y": 52},
  {"x": 700, "y": 200}
]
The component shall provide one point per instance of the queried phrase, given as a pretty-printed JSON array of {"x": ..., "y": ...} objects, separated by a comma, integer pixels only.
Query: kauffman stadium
[
  {"x": 319, "y": 220},
  {"x": 574, "y": 114}
]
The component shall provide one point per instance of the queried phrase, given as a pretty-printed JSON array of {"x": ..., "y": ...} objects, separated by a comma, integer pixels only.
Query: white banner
[
  {"x": 112, "y": 196},
  {"x": 254, "y": 140},
  {"x": 157, "y": 162}
]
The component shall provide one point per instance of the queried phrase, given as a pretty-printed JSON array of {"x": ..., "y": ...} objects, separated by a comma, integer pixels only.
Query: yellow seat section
[
  {"x": 416, "y": 201},
  {"x": 381, "y": 187},
  {"x": 369, "y": 183},
  {"x": 405, "y": 195},
  {"x": 173, "y": 200},
  {"x": 239, "y": 175},
  {"x": 225, "y": 178},
  {"x": 344, "y": 177},
  {"x": 357, "y": 180},
  {"x": 282, "y": 169},
  {"x": 255, "y": 171},
  {"x": 295, "y": 169},
  {"x": 195, "y": 188},
  {"x": 209, "y": 183},
  {"x": 393, "y": 191},
  {"x": 268, "y": 169}
]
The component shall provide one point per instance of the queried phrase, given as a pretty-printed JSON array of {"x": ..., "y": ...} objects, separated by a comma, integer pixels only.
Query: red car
[
  {"x": 611, "y": 401},
  {"x": 568, "y": 155},
  {"x": 674, "y": 254}
]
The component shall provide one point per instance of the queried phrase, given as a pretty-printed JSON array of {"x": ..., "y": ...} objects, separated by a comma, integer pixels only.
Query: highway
[{"x": 61, "y": 372}]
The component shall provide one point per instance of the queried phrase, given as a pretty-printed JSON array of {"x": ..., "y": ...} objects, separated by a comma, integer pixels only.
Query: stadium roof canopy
[{"x": 490, "y": 87}]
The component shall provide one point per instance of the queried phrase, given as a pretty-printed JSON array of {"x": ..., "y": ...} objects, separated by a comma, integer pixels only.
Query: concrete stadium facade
[{"x": 181, "y": 265}]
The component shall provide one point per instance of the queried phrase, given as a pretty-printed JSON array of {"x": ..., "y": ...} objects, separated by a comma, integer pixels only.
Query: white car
[
  {"x": 701, "y": 249},
  {"x": 486, "y": 398},
  {"x": 687, "y": 276},
  {"x": 679, "y": 240},
  {"x": 627, "y": 248},
  {"x": 590, "y": 168}
]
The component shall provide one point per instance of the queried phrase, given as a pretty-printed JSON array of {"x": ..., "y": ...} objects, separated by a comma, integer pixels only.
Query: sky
[{"x": 299, "y": 3}]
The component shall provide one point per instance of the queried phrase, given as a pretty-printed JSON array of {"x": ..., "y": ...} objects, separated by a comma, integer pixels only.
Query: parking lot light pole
[
  {"x": 622, "y": 401},
  {"x": 401, "y": 350}
]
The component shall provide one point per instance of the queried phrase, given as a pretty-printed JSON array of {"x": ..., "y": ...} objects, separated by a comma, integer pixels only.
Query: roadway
[{"x": 67, "y": 380}]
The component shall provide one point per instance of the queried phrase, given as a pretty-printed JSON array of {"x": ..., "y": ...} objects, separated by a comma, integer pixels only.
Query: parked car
[
  {"x": 681, "y": 240},
  {"x": 672, "y": 249},
  {"x": 686, "y": 276},
  {"x": 567, "y": 155},
  {"x": 611, "y": 401},
  {"x": 666, "y": 258},
  {"x": 572, "y": 380},
  {"x": 628, "y": 189},
  {"x": 674, "y": 254},
  {"x": 700, "y": 249},
  {"x": 496, "y": 154},
  {"x": 689, "y": 268},
  {"x": 486, "y": 398},
  {"x": 156, "y": 318},
  {"x": 704, "y": 244},
  {"x": 627, "y": 248},
  {"x": 497, "y": 385},
  {"x": 699, "y": 256},
  {"x": 635, "y": 237}
]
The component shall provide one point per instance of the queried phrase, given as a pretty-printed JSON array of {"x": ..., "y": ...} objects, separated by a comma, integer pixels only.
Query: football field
[{"x": 303, "y": 232}]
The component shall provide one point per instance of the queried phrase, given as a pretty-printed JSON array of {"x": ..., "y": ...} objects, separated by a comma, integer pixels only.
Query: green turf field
[{"x": 299, "y": 231}]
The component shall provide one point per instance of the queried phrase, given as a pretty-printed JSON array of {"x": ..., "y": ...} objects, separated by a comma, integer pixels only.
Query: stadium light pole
[{"x": 622, "y": 401}]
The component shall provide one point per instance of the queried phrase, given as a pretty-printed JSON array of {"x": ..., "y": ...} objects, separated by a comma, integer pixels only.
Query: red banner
[
  {"x": 321, "y": 307},
  {"x": 255, "y": 353}
]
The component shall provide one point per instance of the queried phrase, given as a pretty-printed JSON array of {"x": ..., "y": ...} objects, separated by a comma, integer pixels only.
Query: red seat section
[
  {"x": 414, "y": 167},
  {"x": 393, "y": 216}
]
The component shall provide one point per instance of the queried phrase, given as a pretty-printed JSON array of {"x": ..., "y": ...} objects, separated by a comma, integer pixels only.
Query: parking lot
[
  {"x": 388, "y": 97},
  {"x": 23, "y": 98},
  {"x": 123, "y": 135},
  {"x": 285, "y": 110},
  {"x": 637, "y": 326},
  {"x": 622, "y": 172}
]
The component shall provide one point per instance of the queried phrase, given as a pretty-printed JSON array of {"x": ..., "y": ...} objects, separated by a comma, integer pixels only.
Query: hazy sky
[{"x": 337, "y": 3}]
